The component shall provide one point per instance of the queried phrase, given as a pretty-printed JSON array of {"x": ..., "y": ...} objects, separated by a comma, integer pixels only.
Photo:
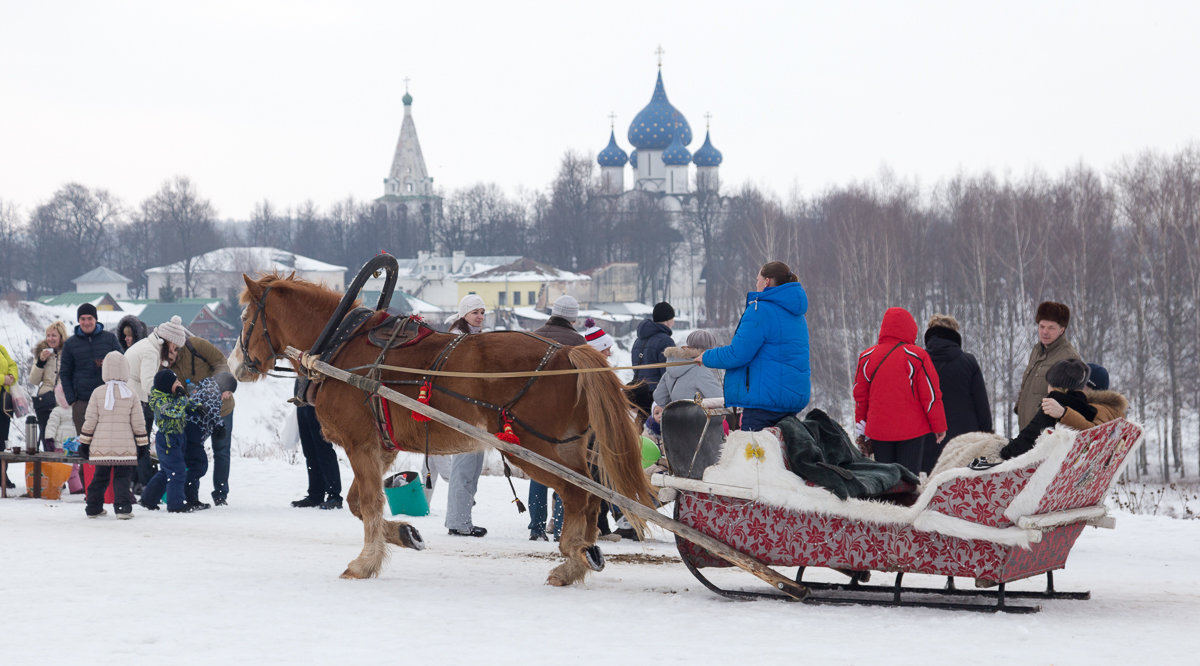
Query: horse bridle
[{"x": 244, "y": 346}]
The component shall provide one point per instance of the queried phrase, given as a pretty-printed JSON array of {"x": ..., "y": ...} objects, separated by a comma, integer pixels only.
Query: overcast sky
[{"x": 290, "y": 101}]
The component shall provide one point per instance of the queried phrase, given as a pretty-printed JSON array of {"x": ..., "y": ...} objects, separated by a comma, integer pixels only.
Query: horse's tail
[{"x": 616, "y": 452}]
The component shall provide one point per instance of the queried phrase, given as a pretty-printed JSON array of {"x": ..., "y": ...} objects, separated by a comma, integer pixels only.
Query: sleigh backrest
[{"x": 1079, "y": 475}]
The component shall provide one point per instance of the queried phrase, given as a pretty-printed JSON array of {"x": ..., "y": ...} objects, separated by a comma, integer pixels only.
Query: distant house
[
  {"x": 612, "y": 282},
  {"x": 103, "y": 280},
  {"x": 522, "y": 283},
  {"x": 434, "y": 278},
  {"x": 102, "y": 300},
  {"x": 218, "y": 274}
]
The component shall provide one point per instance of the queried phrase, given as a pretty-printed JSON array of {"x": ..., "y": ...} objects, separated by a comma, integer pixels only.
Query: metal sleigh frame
[{"x": 1012, "y": 522}]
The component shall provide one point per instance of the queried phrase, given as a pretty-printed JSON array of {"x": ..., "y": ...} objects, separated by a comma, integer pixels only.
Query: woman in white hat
[{"x": 471, "y": 312}]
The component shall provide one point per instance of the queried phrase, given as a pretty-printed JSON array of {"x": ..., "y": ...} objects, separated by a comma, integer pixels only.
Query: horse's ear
[{"x": 252, "y": 287}]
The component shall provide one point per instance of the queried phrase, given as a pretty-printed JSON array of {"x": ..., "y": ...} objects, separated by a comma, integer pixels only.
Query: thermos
[{"x": 31, "y": 434}]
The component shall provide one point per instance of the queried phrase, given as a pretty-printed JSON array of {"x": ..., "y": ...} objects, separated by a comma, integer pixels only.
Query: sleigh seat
[{"x": 1012, "y": 521}]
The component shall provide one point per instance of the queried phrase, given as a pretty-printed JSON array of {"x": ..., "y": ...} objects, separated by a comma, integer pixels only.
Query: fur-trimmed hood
[
  {"x": 1111, "y": 399},
  {"x": 682, "y": 353}
]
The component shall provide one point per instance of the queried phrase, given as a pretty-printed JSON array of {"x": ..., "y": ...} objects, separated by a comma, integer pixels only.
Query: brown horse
[{"x": 590, "y": 410}]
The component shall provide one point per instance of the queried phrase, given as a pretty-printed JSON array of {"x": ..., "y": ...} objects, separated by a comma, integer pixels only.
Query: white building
[
  {"x": 103, "y": 280},
  {"x": 218, "y": 274},
  {"x": 434, "y": 278}
]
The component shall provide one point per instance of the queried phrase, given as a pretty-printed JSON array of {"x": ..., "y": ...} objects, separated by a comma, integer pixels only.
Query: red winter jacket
[{"x": 904, "y": 400}]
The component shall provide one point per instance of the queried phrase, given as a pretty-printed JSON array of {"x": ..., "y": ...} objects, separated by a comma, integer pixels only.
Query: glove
[
  {"x": 84, "y": 451},
  {"x": 218, "y": 432},
  {"x": 860, "y": 429},
  {"x": 143, "y": 451}
]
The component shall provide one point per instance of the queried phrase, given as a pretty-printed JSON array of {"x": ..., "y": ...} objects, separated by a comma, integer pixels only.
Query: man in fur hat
[{"x": 1052, "y": 346}]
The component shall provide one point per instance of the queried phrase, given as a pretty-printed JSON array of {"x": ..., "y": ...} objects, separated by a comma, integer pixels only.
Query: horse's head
[{"x": 254, "y": 354}]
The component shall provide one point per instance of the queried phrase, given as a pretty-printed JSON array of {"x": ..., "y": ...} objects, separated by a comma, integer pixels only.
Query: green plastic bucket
[{"x": 406, "y": 494}]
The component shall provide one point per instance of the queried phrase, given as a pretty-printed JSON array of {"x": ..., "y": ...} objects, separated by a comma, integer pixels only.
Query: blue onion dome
[
  {"x": 633, "y": 158},
  {"x": 655, "y": 126},
  {"x": 407, "y": 99},
  {"x": 676, "y": 154},
  {"x": 612, "y": 155},
  {"x": 707, "y": 155}
]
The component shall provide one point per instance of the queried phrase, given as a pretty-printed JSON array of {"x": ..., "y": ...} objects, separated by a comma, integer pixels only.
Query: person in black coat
[
  {"x": 964, "y": 394},
  {"x": 653, "y": 338},
  {"x": 82, "y": 357}
]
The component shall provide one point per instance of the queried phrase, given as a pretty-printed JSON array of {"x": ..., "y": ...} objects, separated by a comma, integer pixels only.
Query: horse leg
[
  {"x": 368, "y": 481},
  {"x": 352, "y": 500},
  {"x": 577, "y": 542}
]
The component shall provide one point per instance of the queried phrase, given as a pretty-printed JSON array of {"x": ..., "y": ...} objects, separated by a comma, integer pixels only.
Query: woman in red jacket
[{"x": 897, "y": 400}]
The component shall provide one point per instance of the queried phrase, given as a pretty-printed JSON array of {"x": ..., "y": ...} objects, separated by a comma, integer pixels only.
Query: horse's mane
[{"x": 317, "y": 296}]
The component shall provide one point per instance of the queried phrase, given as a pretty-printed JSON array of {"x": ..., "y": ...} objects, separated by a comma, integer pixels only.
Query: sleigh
[{"x": 1007, "y": 523}]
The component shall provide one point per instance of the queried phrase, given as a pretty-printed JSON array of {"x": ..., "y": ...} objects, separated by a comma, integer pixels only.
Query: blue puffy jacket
[{"x": 767, "y": 361}]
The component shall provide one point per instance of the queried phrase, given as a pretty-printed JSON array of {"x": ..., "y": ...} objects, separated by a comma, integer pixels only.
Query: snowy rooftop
[
  {"x": 101, "y": 274},
  {"x": 251, "y": 259},
  {"x": 525, "y": 270}
]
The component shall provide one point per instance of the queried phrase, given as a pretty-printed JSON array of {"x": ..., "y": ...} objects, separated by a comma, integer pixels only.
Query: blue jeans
[
  {"x": 196, "y": 460},
  {"x": 537, "y": 509},
  {"x": 757, "y": 419},
  {"x": 220, "y": 447},
  {"x": 172, "y": 472}
]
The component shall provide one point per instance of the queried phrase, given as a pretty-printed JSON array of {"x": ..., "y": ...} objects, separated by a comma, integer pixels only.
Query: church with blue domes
[{"x": 660, "y": 160}]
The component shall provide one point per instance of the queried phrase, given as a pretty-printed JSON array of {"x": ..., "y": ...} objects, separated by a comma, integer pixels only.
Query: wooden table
[{"x": 9, "y": 456}]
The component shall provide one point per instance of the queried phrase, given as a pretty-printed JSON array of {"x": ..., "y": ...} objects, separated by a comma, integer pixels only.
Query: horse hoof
[
  {"x": 595, "y": 559},
  {"x": 349, "y": 575},
  {"x": 411, "y": 538},
  {"x": 556, "y": 581}
]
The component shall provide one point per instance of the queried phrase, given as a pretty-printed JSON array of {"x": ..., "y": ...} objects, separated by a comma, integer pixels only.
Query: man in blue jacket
[
  {"x": 767, "y": 371},
  {"x": 82, "y": 360}
]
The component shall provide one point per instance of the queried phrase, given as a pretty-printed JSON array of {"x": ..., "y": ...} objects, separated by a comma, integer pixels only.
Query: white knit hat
[
  {"x": 596, "y": 337},
  {"x": 173, "y": 331},
  {"x": 468, "y": 303}
]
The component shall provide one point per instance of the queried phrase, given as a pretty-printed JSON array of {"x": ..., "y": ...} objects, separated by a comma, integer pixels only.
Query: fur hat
[
  {"x": 164, "y": 380},
  {"x": 1098, "y": 377},
  {"x": 663, "y": 312},
  {"x": 1070, "y": 374},
  {"x": 85, "y": 309},
  {"x": 172, "y": 331},
  {"x": 701, "y": 339},
  {"x": 1055, "y": 312},
  {"x": 565, "y": 306},
  {"x": 596, "y": 337},
  {"x": 226, "y": 381}
]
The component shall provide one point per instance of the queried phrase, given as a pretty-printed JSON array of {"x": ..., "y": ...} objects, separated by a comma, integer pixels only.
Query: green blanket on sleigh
[{"x": 819, "y": 451}]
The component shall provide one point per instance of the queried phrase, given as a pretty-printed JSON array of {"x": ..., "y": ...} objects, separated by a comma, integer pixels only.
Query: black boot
[
  {"x": 332, "y": 503},
  {"x": 308, "y": 501}
]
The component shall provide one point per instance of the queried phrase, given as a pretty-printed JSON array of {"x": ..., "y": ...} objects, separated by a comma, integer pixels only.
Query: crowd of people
[{"x": 112, "y": 391}]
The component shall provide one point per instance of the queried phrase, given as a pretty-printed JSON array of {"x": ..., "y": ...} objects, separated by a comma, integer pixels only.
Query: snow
[{"x": 257, "y": 582}]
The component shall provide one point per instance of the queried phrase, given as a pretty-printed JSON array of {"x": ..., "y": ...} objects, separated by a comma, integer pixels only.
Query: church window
[
  {"x": 410, "y": 187},
  {"x": 516, "y": 298}
]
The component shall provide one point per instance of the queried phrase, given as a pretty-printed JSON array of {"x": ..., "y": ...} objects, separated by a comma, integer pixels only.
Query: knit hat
[
  {"x": 1098, "y": 378},
  {"x": 1070, "y": 374},
  {"x": 468, "y": 303},
  {"x": 701, "y": 339},
  {"x": 596, "y": 337},
  {"x": 164, "y": 380},
  {"x": 172, "y": 331},
  {"x": 663, "y": 312},
  {"x": 565, "y": 306},
  {"x": 226, "y": 381},
  {"x": 1055, "y": 312},
  {"x": 85, "y": 309}
]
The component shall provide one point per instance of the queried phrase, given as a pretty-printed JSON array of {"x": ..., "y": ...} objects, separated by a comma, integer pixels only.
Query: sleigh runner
[{"x": 1011, "y": 522}]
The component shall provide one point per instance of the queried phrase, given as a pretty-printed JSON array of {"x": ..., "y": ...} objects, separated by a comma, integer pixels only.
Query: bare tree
[{"x": 184, "y": 226}]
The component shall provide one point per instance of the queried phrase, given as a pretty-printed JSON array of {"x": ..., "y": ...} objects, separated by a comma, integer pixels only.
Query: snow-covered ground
[{"x": 257, "y": 582}]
